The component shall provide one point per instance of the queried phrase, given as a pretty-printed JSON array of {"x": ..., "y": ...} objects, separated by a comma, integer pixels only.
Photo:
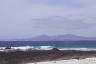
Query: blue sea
[
  {"x": 58, "y": 44},
  {"x": 45, "y": 45}
]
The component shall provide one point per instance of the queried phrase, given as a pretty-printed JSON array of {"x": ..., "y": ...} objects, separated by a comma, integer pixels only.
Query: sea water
[{"x": 63, "y": 45}]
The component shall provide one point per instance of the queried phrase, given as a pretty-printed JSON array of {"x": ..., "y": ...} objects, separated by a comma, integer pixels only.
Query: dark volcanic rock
[{"x": 21, "y": 57}]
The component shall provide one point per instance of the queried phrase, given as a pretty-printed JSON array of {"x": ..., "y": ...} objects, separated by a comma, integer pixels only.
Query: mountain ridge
[{"x": 66, "y": 37}]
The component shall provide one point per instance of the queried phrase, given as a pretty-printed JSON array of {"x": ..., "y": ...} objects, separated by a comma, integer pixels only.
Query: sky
[{"x": 29, "y": 18}]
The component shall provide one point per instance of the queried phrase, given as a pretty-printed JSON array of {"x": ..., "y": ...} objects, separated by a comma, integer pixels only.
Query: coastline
[{"x": 39, "y": 56}]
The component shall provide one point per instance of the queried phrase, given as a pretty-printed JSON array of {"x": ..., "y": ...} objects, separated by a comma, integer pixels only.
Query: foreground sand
[{"x": 71, "y": 61}]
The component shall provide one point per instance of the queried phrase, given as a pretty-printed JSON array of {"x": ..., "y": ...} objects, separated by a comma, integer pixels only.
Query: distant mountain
[{"x": 67, "y": 37}]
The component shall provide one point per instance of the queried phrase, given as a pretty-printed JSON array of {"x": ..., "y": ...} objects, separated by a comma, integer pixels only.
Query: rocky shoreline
[{"x": 31, "y": 56}]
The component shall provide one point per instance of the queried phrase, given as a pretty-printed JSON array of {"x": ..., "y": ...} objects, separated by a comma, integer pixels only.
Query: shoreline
[{"x": 31, "y": 56}]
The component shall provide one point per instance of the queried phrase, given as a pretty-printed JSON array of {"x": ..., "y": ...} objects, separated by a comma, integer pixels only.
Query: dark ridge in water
[{"x": 86, "y": 44}]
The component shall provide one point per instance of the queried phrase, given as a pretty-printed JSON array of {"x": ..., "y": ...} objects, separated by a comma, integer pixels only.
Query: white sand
[{"x": 73, "y": 61}]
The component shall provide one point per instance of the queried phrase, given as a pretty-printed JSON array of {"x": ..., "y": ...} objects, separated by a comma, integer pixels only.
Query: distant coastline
[{"x": 66, "y": 37}]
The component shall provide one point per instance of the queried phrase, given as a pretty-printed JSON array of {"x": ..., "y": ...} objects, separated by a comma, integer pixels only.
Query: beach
[{"x": 71, "y": 61}]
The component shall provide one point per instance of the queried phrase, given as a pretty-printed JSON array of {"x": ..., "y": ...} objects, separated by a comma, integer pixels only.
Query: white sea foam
[
  {"x": 33, "y": 47},
  {"x": 81, "y": 49},
  {"x": 46, "y": 47},
  {"x": 24, "y": 48}
]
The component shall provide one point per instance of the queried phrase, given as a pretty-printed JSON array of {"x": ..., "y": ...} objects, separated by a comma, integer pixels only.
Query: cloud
[
  {"x": 16, "y": 17},
  {"x": 69, "y": 3},
  {"x": 59, "y": 24}
]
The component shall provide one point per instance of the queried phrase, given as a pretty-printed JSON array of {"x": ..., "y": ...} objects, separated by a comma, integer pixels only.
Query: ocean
[{"x": 58, "y": 44}]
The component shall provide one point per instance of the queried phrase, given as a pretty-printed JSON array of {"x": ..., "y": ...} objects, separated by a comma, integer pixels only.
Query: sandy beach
[{"x": 71, "y": 61}]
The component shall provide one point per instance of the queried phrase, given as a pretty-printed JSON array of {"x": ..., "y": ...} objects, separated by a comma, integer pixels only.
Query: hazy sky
[{"x": 28, "y": 18}]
